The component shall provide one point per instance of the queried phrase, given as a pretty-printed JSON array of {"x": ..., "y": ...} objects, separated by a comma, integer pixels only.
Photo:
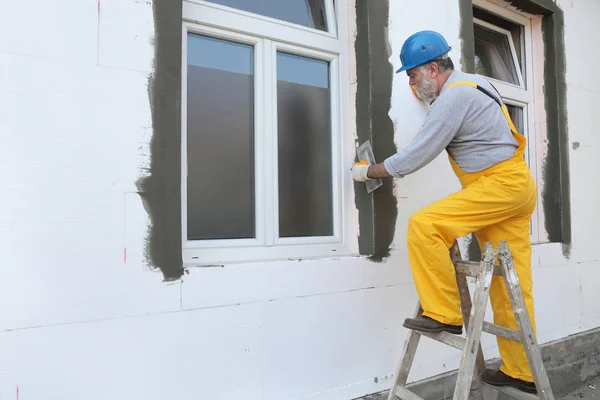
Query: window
[
  {"x": 264, "y": 103},
  {"x": 503, "y": 54}
]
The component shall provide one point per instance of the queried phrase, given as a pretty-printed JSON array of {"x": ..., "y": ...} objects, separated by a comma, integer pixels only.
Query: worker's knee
[{"x": 419, "y": 227}]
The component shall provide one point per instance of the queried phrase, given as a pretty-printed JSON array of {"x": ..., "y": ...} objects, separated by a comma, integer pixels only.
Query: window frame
[
  {"x": 258, "y": 136},
  {"x": 268, "y": 36},
  {"x": 520, "y": 96}
]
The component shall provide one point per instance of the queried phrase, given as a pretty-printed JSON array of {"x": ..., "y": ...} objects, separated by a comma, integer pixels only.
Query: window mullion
[
  {"x": 269, "y": 69},
  {"x": 259, "y": 141}
]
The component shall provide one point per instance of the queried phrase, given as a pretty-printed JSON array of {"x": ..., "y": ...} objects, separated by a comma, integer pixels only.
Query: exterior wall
[{"x": 84, "y": 315}]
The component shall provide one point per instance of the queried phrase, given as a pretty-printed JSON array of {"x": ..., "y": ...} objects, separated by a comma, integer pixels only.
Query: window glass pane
[
  {"x": 220, "y": 135},
  {"x": 493, "y": 56},
  {"x": 304, "y": 141},
  {"x": 309, "y": 13},
  {"x": 516, "y": 31},
  {"x": 516, "y": 114}
]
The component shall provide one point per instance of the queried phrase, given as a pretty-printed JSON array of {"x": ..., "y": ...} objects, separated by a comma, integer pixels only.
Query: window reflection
[
  {"x": 493, "y": 55},
  {"x": 304, "y": 145},
  {"x": 220, "y": 139}
]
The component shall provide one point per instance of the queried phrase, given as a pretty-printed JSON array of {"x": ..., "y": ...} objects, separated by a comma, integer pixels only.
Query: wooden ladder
[{"x": 472, "y": 355}]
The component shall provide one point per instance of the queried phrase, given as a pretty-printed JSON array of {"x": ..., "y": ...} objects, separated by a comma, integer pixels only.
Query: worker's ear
[{"x": 434, "y": 70}]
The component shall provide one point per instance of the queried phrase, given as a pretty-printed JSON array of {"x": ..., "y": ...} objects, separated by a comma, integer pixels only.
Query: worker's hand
[{"x": 359, "y": 171}]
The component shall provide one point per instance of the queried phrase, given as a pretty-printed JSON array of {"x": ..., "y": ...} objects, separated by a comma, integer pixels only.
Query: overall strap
[
  {"x": 487, "y": 93},
  {"x": 476, "y": 86}
]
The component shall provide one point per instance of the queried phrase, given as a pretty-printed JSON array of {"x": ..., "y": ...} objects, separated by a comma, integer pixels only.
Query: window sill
[{"x": 198, "y": 257}]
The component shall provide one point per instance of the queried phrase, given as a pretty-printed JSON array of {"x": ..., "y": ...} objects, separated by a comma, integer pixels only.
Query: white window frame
[
  {"x": 268, "y": 36},
  {"x": 521, "y": 95}
]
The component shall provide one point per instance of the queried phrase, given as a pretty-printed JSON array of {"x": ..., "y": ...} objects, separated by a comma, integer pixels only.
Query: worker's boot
[
  {"x": 499, "y": 378},
  {"x": 426, "y": 324}
]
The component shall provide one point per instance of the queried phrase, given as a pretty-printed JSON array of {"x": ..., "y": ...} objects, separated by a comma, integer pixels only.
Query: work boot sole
[{"x": 447, "y": 328}]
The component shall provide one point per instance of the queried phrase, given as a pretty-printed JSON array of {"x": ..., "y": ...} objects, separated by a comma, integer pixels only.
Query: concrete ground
[{"x": 589, "y": 390}]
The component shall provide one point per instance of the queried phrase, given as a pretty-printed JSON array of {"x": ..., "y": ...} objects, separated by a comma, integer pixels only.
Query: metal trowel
[{"x": 365, "y": 152}]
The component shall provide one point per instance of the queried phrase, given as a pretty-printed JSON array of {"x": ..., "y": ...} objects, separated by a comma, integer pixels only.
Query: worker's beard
[{"x": 427, "y": 90}]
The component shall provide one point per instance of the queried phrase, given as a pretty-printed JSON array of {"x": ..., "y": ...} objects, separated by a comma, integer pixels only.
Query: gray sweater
[{"x": 467, "y": 123}]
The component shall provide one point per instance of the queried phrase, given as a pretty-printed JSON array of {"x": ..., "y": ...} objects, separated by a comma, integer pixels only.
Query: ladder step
[
  {"x": 405, "y": 394},
  {"x": 515, "y": 393},
  {"x": 497, "y": 330},
  {"x": 472, "y": 268},
  {"x": 446, "y": 338}
]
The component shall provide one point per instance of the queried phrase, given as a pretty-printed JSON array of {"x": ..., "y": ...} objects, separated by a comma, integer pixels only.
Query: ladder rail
[
  {"x": 532, "y": 350},
  {"x": 408, "y": 355},
  {"x": 466, "y": 305},
  {"x": 482, "y": 288}
]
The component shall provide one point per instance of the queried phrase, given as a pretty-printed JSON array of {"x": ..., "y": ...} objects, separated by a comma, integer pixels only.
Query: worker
[{"x": 468, "y": 119}]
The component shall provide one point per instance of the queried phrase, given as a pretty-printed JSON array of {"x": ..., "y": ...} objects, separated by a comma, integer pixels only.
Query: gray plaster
[
  {"x": 160, "y": 190},
  {"x": 377, "y": 211}
]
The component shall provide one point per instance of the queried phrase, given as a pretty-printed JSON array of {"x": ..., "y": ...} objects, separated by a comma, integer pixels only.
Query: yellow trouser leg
[
  {"x": 434, "y": 277},
  {"x": 516, "y": 232},
  {"x": 487, "y": 201}
]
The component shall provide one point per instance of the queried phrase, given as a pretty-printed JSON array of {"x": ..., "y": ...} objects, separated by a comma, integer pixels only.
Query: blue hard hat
[{"x": 421, "y": 48}]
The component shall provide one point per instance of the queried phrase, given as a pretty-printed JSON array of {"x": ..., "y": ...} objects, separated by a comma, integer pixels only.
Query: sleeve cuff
[{"x": 388, "y": 167}]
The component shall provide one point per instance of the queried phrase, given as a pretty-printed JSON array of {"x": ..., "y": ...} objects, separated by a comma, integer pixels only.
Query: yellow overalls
[{"x": 496, "y": 204}]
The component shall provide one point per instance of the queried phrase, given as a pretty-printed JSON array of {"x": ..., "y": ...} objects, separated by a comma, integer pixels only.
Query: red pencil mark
[
  {"x": 17, "y": 392},
  {"x": 98, "y": 37},
  {"x": 125, "y": 254}
]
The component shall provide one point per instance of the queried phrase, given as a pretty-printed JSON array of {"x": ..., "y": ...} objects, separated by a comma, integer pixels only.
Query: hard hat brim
[{"x": 406, "y": 67}]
